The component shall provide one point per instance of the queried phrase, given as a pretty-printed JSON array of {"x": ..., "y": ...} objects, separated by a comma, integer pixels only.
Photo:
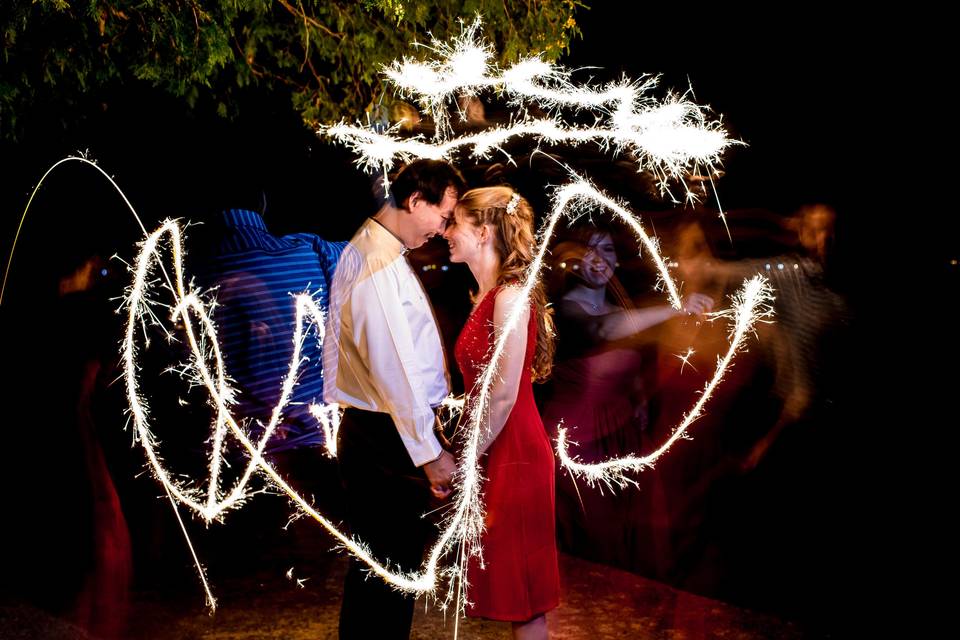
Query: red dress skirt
[{"x": 520, "y": 578}]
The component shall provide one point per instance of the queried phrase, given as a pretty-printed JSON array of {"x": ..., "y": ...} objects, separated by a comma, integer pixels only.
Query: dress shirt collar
[{"x": 380, "y": 231}]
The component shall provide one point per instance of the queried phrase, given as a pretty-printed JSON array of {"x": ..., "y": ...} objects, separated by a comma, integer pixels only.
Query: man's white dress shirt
[{"x": 382, "y": 351}]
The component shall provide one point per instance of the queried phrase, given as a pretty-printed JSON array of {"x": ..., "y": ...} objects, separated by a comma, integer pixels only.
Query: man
[
  {"x": 384, "y": 361},
  {"x": 256, "y": 276}
]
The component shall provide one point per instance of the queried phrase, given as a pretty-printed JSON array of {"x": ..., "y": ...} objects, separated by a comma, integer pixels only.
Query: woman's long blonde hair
[{"x": 513, "y": 242}]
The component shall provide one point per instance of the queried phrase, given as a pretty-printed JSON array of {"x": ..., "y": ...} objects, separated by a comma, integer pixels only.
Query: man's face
[{"x": 427, "y": 220}]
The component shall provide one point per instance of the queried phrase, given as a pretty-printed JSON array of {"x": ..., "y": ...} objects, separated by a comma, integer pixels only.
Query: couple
[{"x": 384, "y": 362}]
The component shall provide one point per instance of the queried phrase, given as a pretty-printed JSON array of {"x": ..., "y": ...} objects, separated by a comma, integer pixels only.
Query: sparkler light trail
[
  {"x": 84, "y": 160},
  {"x": 669, "y": 138},
  {"x": 463, "y": 524},
  {"x": 187, "y": 305}
]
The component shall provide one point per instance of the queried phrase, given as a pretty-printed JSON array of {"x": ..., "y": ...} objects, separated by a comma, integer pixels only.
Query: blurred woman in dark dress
[{"x": 597, "y": 392}]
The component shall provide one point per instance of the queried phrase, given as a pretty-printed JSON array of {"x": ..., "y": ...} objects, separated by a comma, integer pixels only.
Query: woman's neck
[
  {"x": 485, "y": 269},
  {"x": 595, "y": 297}
]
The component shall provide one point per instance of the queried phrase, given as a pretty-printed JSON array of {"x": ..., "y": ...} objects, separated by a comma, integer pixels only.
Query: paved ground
[{"x": 598, "y": 603}]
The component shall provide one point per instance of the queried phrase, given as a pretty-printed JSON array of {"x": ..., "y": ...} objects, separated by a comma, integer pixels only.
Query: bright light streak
[
  {"x": 669, "y": 138},
  {"x": 328, "y": 415},
  {"x": 84, "y": 160},
  {"x": 187, "y": 305},
  {"x": 685, "y": 359}
]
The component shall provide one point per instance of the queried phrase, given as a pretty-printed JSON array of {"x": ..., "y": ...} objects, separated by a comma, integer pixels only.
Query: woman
[
  {"x": 598, "y": 393},
  {"x": 492, "y": 232}
]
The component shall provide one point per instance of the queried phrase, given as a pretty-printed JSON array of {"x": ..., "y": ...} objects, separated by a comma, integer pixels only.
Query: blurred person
[
  {"x": 69, "y": 542},
  {"x": 598, "y": 393},
  {"x": 254, "y": 277},
  {"x": 808, "y": 313},
  {"x": 748, "y": 447}
]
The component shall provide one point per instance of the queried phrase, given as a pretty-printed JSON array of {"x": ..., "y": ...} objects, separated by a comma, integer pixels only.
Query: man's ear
[{"x": 414, "y": 199}]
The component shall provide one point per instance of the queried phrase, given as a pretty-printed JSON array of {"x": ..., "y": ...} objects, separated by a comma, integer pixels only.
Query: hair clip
[{"x": 514, "y": 202}]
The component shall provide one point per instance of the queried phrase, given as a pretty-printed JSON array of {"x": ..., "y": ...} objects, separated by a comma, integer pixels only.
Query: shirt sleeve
[{"x": 382, "y": 332}]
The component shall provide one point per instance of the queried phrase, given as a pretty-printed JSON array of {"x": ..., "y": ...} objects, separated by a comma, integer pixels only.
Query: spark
[
  {"x": 685, "y": 359},
  {"x": 652, "y": 137},
  {"x": 575, "y": 199},
  {"x": 462, "y": 525},
  {"x": 670, "y": 138},
  {"x": 301, "y": 582},
  {"x": 328, "y": 415}
]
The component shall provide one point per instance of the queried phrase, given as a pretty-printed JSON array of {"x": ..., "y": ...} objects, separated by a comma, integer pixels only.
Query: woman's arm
[
  {"x": 626, "y": 322},
  {"x": 506, "y": 381}
]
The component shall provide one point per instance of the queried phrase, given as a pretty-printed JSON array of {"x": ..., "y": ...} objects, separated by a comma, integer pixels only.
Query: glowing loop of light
[
  {"x": 665, "y": 138},
  {"x": 217, "y": 502}
]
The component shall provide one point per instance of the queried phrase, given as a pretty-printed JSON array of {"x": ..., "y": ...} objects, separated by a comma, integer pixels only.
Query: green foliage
[{"x": 326, "y": 55}]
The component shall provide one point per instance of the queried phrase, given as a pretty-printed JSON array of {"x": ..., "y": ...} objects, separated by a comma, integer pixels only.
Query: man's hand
[{"x": 440, "y": 474}]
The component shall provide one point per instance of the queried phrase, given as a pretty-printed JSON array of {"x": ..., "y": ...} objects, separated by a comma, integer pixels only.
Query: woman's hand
[{"x": 697, "y": 304}]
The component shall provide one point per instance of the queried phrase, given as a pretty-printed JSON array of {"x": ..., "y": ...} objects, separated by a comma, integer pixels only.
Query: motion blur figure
[{"x": 598, "y": 392}]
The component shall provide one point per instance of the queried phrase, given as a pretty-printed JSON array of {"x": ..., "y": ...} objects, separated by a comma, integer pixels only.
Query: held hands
[
  {"x": 440, "y": 474},
  {"x": 697, "y": 304}
]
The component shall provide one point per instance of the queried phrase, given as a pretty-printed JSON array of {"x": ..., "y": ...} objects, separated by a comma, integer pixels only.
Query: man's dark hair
[{"x": 430, "y": 177}]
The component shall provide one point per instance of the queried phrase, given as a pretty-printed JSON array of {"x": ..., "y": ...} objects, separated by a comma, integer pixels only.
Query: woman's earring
[{"x": 616, "y": 264}]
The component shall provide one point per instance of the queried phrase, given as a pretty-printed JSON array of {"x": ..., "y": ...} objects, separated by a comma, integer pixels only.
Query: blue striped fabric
[{"x": 256, "y": 276}]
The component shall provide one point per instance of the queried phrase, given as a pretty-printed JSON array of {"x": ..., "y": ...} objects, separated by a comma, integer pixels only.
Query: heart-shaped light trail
[
  {"x": 668, "y": 139},
  {"x": 462, "y": 526}
]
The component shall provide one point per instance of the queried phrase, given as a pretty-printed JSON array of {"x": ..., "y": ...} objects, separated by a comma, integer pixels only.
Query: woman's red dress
[{"x": 520, "y": 578}]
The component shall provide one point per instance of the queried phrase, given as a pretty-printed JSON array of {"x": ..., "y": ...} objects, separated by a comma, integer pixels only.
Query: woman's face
[
  {"x": 599, "y": 260},
  {"x": 462, "y": 236}
]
